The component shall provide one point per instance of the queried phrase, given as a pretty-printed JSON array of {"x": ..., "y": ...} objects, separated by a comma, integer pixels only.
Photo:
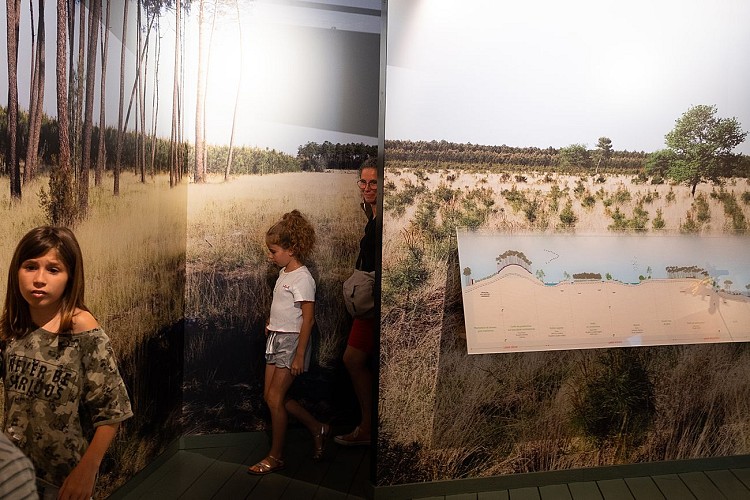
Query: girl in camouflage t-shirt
[{"x": 60, "y": 372}]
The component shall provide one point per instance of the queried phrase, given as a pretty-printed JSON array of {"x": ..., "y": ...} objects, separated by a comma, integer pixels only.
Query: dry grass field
[
  {"x": 132, "y": 246},
  {"x": 137, "y": 247},
  {"x": 227, "y": 258},
  {"x": 229, "y": 283},
  {"x": 493, "y": 414}
]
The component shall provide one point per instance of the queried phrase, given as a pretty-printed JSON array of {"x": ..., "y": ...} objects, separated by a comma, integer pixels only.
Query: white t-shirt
[{"x": 290, "y": 290}]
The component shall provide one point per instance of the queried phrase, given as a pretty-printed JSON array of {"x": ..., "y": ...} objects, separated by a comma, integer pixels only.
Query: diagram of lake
[{"x": 546, "y": 292}]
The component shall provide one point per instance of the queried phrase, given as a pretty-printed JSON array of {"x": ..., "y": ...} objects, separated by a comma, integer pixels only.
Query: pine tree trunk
[
  {"x": 120, "y": 131},
  {"x": 83, "y": 181},
  {"x": 62, "y": 209},
  {"x": 199, "y": 100},
  {"x": 173, "y": 144},
  {"x": 77, "y": 118},
  {"x": 13, "y": 15},
  {"x": 101, "y": 156},
  {"x": 41, "y": 65},
  {"x": 33, "y": 97},
  {"x": 155, "y": 98},
  {"x": 236, "y": 102}
]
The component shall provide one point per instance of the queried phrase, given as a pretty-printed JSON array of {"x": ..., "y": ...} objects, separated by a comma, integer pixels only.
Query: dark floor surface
[{"x": 214, "y": 467}]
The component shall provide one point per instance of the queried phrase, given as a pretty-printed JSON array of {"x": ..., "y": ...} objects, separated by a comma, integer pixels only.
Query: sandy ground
[{"x": 593, "y": 218}]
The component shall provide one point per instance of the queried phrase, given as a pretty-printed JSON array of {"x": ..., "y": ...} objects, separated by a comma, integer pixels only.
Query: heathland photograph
[{"x": 572, "y": 120}]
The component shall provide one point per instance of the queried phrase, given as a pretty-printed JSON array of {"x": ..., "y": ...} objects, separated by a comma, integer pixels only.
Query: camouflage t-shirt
[{"x": 55, "y": 385}]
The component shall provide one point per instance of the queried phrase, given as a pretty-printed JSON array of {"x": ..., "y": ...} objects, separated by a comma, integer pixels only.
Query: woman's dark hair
[
  {"x": 16, "y": 318},
  {"x": 371, "y": 162}
]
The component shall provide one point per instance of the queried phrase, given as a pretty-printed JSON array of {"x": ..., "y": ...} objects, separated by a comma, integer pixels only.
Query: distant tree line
[
  {"x": 48, "y": 149},
  {"x": 246, "y": 160},
  {"x": 311, "y": 157},
  {"x": 572, "y": 158},
  {"x": 686, "y": 272},
  {"x": 587, "y": 276},
  {"x": 699, "y": 149},
  {"x": 318, "y": 157}
]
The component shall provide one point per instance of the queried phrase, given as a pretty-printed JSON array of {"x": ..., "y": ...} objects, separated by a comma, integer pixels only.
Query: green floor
[
  {"x": 214, "y": 467},
  {"x": 204, "y": 467}
]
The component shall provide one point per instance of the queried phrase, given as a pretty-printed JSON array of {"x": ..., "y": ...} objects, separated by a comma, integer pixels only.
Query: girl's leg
[
  {"x": 267, "y": 378},
  {"x": 278, "y": 381},
  {"x": 319, "y": 430},
  {"x": 305, "y": 417}
]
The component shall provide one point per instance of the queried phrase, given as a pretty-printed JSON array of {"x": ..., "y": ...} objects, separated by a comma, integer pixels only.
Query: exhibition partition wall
[
  {"x": 125, "y": 201},
  {"x": 569, "y": 120},
  {"x": 566, "y": 197},
  {"x": 172, "y": 217},
  {"x": 304, "y": 81}
]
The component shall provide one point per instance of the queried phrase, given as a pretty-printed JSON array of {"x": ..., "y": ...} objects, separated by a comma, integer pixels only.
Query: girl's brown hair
[
  {"x": 16, "y": 318},
  {"x": 293, "y": 232}
]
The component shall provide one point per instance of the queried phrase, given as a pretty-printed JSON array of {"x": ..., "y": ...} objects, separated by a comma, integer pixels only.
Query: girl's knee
[{"x": 274, "y": 399}]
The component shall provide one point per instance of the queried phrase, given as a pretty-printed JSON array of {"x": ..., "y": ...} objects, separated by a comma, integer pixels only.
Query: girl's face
[
  {"x": 42, "y": 281},
  {"x": 280, "y": 256},
  {"x": 368, "y": 185}
]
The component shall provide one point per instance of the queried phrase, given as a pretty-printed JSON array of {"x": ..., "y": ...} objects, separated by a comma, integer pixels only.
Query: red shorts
[{"x": 361, "y": 336}]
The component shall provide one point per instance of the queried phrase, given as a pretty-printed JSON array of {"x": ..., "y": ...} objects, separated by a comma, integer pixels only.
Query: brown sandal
[{"x": 266, "y": 466}]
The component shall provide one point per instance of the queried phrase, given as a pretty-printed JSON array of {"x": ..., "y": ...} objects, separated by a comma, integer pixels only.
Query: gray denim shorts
[{"x": 281, "y": 348}]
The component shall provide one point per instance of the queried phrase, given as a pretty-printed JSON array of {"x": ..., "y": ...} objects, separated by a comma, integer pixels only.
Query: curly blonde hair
[{"x": 293, "y": 232}]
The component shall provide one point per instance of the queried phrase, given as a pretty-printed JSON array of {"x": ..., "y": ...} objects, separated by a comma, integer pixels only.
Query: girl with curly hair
[{"x": 290, "y": 242}]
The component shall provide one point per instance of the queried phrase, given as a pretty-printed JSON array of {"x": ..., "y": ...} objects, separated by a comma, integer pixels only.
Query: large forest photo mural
[
  {"x": 81, "y": 149},
  {"x": 169, "y": 136},
  {"x": 532, "y": 126}
]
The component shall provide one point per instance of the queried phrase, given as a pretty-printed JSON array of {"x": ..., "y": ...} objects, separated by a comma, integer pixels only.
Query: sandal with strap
[
  {"x": 320, "y": 441},
  {"x": 354, "y": 438},
  {"x": 266, "y": 466}
]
